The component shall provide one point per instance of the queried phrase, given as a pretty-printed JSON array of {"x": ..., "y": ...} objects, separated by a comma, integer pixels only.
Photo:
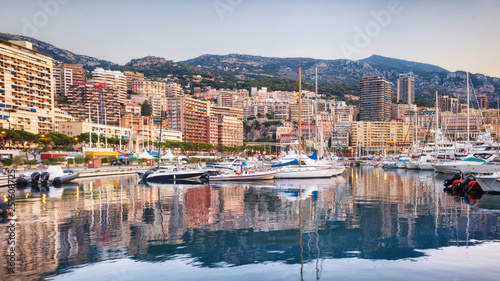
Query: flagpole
[
  {"x": 90, "y": 128},
  {"x": 106, "y": 125},
  {"x": 120, "y": 124}
]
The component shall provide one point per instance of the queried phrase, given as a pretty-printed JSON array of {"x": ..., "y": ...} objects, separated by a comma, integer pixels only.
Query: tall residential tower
[{"x": 375, "y": 102}]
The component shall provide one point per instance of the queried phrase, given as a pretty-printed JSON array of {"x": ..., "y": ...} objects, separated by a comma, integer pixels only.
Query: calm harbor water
[{"x": 365, "y": 225}]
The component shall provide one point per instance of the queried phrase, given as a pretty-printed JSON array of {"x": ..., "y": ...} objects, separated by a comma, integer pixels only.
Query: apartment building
[
  {"x": 73, "y": 129},
  {"x": 154, "y": 91},
  {"x": 132, "y": 76},
  {"x": 26, "y": 88},
  {"x": 225, "y": 99},
  {"x": 174, "y": 90},
  {"x": 447, "y": 103},
  {"x": 406, "y": 88},
  {"x": 131, "y": 108},
  {"x": 381, "y": 136},
  {"x": 100, "y": 101},
  {"x": 114, "y": 79},
  {"x": 454, "y": 125},
  {"x": 190, "y": 116},
  {"x": 230, "y": 125},
  {"x": 60, "y": 117},
  {"x": 482, "y": 101},
  {"x": 307, "y": 110},
  {"x": 66, "y": 75},
  {"x": 375, "y": 102},
  {"x": 400, "y": 111}
]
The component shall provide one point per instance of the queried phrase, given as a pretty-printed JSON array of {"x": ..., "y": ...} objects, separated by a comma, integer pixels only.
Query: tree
[{"x": 146, "y": 109}]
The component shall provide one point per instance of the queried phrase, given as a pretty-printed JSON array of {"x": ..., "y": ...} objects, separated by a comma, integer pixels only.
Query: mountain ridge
[{"x": 227, "y": 71}]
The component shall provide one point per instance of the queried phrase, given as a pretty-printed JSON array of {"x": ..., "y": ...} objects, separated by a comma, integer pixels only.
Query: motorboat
[
  {"x": 426, "y": 162},
  {"x": 171, "y": 173},
  {"x": 53, "y": 174},
  {"x": 468, "y": 165},
  {"x": 401, "y": 163}
]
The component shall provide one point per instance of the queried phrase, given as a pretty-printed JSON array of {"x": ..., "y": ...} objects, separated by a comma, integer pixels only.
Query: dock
[{"x": 84, "y": 172}]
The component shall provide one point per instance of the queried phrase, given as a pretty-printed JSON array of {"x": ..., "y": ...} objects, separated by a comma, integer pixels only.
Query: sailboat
[{"x": 303, "y": 168}]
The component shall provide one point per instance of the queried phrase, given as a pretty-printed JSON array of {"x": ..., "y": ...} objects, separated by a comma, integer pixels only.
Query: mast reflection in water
[{"x": 367, "y": 224}]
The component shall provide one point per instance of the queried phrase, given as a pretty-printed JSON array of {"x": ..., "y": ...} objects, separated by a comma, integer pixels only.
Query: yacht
[
  {"x": 468, "y": 165},
  {"x": 171, "y": 173}
]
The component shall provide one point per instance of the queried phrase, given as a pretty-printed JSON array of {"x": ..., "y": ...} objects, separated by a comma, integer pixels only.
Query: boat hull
[
  {"x": 165, "y": 177},
  {"x": 426, "y": 167},
  {"x": 489, "y": 183},
  {"x": 412, "y": 166},
  {"x": 447, "y": 168}
]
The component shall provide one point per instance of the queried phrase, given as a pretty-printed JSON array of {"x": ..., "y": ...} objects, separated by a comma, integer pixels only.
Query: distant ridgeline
[{"x": 337, "y": 78}]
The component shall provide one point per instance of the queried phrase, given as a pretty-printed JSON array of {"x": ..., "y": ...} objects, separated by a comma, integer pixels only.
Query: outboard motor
[
  {"x": 44, "y": 178},
  {"x": 465, "y": 183},
  {"x": 35, "y": 177},
  {"x": 146, "y": 174},
  {"x": 457, "y": 176}
]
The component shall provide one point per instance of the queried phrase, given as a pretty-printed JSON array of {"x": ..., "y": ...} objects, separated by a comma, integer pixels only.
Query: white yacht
[{"x": 468, "y": 165}]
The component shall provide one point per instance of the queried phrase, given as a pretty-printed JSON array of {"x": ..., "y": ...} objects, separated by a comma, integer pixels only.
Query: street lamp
[{"x": 3, "y": 138}]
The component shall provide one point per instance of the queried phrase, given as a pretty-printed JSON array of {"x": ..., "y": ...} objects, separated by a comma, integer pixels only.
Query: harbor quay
[{"x": 85, "y": 172}]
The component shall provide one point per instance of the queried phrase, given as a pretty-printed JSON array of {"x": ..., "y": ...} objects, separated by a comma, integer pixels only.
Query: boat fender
[
  {"x": 57, "y": 180},
  {"x": 22, "y": 181},
  {"x": 474, "y": 187},
  {"x": 4, "y": 207},
  {"x": 456, "y": 183}
]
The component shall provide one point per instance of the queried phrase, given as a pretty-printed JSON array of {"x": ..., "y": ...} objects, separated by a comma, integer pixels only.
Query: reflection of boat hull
[
  {"x": 305, "y": 173},
  {"x": 489, "y": 201},
  {"x": 268, "y": 175}
]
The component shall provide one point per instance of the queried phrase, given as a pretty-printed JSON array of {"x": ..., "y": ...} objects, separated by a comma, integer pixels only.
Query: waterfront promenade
[{"x": 85, "y": 172}]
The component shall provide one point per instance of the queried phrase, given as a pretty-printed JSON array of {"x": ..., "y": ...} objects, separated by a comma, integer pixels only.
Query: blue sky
[{"x": 456, "y": 35}]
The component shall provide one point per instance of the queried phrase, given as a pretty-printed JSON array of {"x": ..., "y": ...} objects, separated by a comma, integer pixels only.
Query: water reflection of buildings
[{"x": 377, "y": 214}]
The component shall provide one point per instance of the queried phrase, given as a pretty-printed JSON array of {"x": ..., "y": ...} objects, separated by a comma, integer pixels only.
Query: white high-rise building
[{"x": 116, "y": 79}]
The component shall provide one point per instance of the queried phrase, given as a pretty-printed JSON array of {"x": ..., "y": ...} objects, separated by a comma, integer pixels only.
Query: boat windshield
[{"x": 474, "y": 160}]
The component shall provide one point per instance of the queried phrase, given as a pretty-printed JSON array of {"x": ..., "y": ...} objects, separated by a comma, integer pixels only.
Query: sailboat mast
[
  {"x": 300, "y": 111},
  {"x": 159, "y": 138},
  {"x": 437, "y": 128},
  {"x": 468, "y": 111}
]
